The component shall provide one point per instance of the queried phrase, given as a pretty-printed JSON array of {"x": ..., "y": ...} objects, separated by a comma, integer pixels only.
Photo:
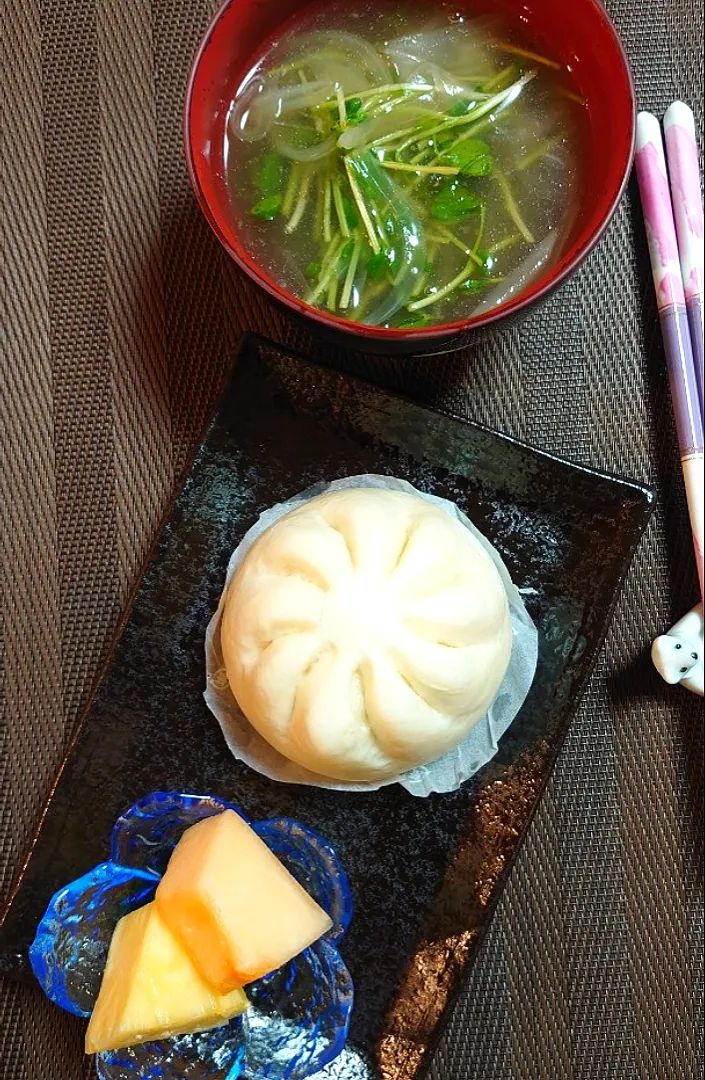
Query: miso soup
[{"x": 402, "y": 167}]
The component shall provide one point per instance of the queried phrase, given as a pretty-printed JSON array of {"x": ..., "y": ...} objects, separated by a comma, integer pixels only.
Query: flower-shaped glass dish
[{"x": 299, "y": 1014}]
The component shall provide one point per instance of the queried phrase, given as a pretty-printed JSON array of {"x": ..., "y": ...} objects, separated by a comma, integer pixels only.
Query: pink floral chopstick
[
  {"x": 686, "y": 197},
  {"x": 670, "y": 297}
]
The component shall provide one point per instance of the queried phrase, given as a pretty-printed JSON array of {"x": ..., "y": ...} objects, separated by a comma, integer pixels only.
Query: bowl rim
[{"x": 439, "y": 331}]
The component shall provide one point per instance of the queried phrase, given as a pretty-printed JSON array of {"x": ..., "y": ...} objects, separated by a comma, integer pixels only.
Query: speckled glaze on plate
[{"x": 425, "y": 873}]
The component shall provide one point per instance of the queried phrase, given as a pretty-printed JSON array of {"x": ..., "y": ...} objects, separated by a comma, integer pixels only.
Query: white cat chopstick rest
[{"x": 678, "y": 655}]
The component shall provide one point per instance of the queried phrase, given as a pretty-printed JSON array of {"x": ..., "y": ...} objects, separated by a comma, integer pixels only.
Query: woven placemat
[{"x": 121, "y": 316}]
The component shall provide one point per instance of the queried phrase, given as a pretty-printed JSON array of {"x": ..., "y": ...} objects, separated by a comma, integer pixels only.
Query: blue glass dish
[{"x": 299, "y": 1015}]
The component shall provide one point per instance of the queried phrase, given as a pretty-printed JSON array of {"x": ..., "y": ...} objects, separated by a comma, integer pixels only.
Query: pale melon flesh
[
  {"x": 151, "y": 989},
  {"x": 235, "y": 908}
]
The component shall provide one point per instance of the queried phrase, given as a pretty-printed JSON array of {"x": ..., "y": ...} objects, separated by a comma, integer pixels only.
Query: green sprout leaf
[
  {"x": 313, "y": 271},
  {"x": 355, "y": 111},
  {"x": 462, "y": 107},
  {"x": 270, "y": 173},
  {"x": 443, "y": 141},
  {"x": 354, "y": 114},
  {"x": 472, "y": 156},
  {"x": 378, "y": 266},
  {"x": 455, "y": 203},
  {"x": 475, "y": 284},
  {"x": 413, "y": 320},
  {"x": 268, "y": 208}
]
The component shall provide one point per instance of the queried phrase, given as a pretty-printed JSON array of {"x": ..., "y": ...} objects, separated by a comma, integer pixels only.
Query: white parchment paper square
[{"x": 446, "y": 773}]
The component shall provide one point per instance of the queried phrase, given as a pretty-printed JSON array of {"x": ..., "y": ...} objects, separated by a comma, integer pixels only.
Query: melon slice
[
  {"x": 235, "y": 908},
  {"x": 151, "y": 989}
]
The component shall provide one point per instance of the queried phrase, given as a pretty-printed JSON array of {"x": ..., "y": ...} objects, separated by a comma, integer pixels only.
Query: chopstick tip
[
  {"x": 679, "y": 113},
  {"x": 648, "y": 129}
]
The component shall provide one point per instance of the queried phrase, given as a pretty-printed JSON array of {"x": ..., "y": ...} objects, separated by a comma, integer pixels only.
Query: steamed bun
[{"x": 364, "y": 633}]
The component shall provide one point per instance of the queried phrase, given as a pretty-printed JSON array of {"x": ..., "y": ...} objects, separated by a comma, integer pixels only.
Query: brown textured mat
[{"x": 120, "y": 316}]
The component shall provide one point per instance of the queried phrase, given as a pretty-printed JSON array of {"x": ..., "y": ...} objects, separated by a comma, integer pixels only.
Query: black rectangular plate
[{"x": 426, "y": 873}]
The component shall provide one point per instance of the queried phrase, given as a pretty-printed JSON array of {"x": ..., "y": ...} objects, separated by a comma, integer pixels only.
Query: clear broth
[{"x": 428, "y": 204}]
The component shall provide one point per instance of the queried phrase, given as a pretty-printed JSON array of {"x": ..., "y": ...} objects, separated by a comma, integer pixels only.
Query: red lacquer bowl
[{"x": 577, "y": 32}]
